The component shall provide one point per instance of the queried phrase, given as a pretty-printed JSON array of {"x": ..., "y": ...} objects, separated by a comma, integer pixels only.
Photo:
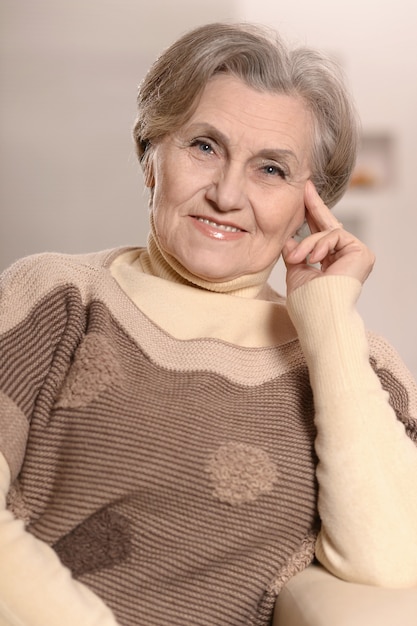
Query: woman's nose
[{"x": 227, "y": 190}]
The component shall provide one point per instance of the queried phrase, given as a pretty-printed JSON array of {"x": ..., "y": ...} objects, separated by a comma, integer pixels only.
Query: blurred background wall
[{"x": 69, "y": 180}]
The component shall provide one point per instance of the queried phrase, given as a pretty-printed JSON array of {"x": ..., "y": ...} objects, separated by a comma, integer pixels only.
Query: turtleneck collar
[{"x": 156, "y": 262}]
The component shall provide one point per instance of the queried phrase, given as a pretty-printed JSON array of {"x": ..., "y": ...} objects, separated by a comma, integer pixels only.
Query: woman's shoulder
[
  {"x": 55, "y": 267},
  {"x": 37, "y": 263},
  {"x": 39, "y": 277}
]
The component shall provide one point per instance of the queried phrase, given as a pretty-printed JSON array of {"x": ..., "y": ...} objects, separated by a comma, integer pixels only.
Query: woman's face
[{"x": 229, "y": 184}]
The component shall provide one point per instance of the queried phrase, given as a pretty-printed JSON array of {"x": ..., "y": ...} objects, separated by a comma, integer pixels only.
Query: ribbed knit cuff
[{"x": 332, "y": 335}]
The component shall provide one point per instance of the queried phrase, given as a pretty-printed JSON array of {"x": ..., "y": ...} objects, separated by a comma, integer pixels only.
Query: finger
[
  {"x": 318, "y": 215},
  {"x": 288, "y": 247},
  {"x": 328, "y": 247},
  {"x": 329, "y": 243},
  {"x": 311, "y": 223}
]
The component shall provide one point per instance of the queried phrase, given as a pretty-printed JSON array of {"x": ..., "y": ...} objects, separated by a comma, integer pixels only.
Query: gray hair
[{"x": 171, "y": 90}]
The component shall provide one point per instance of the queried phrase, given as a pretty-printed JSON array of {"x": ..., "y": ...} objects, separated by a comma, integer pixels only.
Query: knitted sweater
[{"x": 160, "y": 440}]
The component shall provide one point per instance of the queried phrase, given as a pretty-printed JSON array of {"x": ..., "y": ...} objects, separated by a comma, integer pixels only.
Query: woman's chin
[
  {"x": 214, "y": 271},
  {"x": 217, "y": 272},
  {"x": 213, "y": 277}
]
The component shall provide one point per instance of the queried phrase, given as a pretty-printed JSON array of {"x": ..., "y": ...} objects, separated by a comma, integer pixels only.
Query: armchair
[{"x": 317, "y": 598}]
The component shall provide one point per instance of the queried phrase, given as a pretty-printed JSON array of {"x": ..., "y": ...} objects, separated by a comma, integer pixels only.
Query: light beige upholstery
[{"x": 316, "y": 598}]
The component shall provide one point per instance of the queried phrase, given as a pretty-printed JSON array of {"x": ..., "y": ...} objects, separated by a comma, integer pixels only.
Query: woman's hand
[{"x": 338, "y": 252}]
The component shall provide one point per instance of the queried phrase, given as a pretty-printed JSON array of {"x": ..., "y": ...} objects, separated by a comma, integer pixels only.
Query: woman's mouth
[{"x": 225, "y": 227}]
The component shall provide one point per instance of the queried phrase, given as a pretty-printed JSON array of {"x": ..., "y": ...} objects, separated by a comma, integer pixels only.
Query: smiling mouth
[{"x": 225, "y": 227}]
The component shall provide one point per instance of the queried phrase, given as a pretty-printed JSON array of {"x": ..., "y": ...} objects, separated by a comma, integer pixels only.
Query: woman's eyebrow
[
  {"x": 202, "y": 128},
  {"x": 278, "y": 153}
]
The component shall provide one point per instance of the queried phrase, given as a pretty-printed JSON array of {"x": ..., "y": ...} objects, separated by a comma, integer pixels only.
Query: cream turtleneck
[{"x": 244, "y": 311}]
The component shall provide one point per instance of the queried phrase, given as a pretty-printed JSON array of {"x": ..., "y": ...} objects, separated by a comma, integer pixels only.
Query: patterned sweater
[{"x": 159, "y": 440}]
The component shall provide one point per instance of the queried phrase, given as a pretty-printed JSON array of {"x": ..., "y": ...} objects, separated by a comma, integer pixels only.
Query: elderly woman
[{"x": 177, "y": 439}]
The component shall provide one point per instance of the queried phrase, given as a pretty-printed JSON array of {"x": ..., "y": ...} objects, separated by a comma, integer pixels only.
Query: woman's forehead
[{"x": 230, "y": 111}]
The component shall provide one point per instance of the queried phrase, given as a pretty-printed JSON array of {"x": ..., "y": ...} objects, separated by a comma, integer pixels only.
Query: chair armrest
[{"x": 317, "y": 598}]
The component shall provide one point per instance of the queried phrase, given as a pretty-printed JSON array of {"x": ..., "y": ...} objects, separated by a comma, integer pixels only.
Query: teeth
[{"x": 229, "y": 229}]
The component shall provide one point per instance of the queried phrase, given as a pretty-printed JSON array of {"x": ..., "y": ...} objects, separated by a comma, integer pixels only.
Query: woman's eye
[
  {"x": 274, "y": 170},
  {"x": 203, "y": 146}
]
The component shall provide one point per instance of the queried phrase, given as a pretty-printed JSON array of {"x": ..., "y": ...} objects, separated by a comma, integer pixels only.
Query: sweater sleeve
[
  {"x": 367, "y": 461},
  {"x": 35, "y": 588},
  {"x": 40, "y": 326}
]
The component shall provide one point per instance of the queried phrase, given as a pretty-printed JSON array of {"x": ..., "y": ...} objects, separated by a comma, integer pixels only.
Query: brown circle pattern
[{"x": 241, "y": 473}]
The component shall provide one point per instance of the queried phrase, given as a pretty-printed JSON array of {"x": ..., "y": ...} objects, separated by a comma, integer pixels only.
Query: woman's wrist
[{"x": 331, "y": 333}]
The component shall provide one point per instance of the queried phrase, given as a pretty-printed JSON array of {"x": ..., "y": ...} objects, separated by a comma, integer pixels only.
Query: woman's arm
[
  {"x": 366, "y": 461},
  {"x": 35, "y": 588}
]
